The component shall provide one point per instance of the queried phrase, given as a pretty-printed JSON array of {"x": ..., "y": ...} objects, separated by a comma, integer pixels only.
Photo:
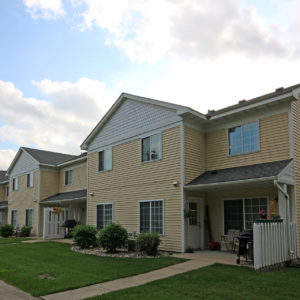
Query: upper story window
[
  {"x": 105, "y": 160},
  {"x": 69, "y": 177},
  {"x": 243, "y": 138},
  {"x": 15, "y": 184},
  {"x": 151, "y": 147},
  {"x": 7, "y": 191},
  {"x": 30, "y": 180}
]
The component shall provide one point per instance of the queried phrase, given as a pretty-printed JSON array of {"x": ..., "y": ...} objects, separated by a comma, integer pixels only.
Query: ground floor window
[
  {"x": 151, "y": 216},
  {"x": 241, "y": 213},
  {"x": 14, "y": 218},
  {"x": 29, "y": 217},
  {"x": 104, "y": 215}
]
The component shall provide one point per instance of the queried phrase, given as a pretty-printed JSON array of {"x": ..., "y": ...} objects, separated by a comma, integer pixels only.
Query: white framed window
[
  {"x": 30, "y": 180},
  {"x": 105, "y": 160},
  {"x": 152, "y": 216},
  {"x": 69, "y": 177},
  {"x": 14, "y": 217},
  {"x": 104, "y": 215},
  {"x": 243, "y": 138},
  {"x": 241, "y": 213},
  {"x": 151, "y": 147},
  {"x": 29, "y": 217},
  {"x": 7, "y": 191},
  {"x": 15, "y": 184}
]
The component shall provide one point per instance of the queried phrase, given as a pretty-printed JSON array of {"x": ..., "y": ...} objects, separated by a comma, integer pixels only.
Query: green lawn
[
  {"x": 20, "y": 265},
  {"x": 217, "y": 282},
  {"x": 12, "y": 240}
]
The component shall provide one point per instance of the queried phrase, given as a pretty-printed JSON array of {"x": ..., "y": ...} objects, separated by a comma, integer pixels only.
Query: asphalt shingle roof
[
  {"x": 241, "y": 173},
  {"x": 3, "y": 203},
  {"x": 3, "y": 177},
  {"x": 48, "y": 157},
  {"x": 67, "y": 196}
]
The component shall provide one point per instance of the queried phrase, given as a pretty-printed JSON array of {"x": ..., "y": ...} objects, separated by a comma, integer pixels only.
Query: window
[
  {"x": 69, "y": 177},
  {"x": 151, "y": 147},
  {"x": 243, "y": 138},
  {"x": 241, "y": 213},
  {"x": 151, "y": 216},
  {"x": 7, "y": 191},
  {"x": 30, "y": 180},
  {"x": 14, "y": 217},
  {"x": 104, "y": 215},
  {"x": 29, "y": 217},
  {"x": 105, "y": 160},
  {"x": 15, "y": 184},
  {"x": 193, "y": 213}
]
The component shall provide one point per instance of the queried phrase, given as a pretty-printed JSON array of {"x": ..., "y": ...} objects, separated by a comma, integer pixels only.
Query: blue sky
[{"x": 64, "y": 62}]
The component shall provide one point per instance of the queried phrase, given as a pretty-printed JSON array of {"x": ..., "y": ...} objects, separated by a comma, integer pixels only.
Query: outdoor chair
[{"x": 230, "y": 239}]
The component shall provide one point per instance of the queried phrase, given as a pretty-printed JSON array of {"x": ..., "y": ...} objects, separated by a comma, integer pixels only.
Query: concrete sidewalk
[
  {"x": 197, "y": 260},
  {"x": 9, "y": 292}
]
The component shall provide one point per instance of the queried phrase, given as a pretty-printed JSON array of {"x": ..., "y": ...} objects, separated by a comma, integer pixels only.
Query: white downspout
[{"x": 287, "y": 198}]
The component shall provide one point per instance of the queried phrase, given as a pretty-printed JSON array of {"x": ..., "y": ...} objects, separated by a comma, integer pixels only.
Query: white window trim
[
  {"x": 243, "y": 199},
  {"x": 163, "y": 215},
  {"x": 141, "y": 147},
  {"x": 32, "y": 216},
  {"x": 65, "y": 172},
  {"x": 32, "y": 175},
  {"x": 112, "y": 157},
  {"x": 242, "y": 124},
  {"x": 16, "y": 183},
  {"x": 112, "y": 214},
  {"x": 15, "y": 210}
]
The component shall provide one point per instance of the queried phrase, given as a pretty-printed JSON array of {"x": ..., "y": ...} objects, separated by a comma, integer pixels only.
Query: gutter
[
  {"x": 63, "y": 200},
  {"x": 287, "y": 198}
]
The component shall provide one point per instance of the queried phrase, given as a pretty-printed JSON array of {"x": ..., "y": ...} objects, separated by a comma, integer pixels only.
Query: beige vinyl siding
[
  {"x": 214, "y": 200},
  {"x": 24, "y": 198},
  {"x": 194, "y": 155},
  {"x": 49, "y": 183},
  {"x": 296, "y": 135},
  {"x": 3, "y": 196},
  {"x": 79, "y": 179},
  {"x": 5, "y": 192},
  {"x": 131, "y": 181},
  {"x": 274, "y": 145}
]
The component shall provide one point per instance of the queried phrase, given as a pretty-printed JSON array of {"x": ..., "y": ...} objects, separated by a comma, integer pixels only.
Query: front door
[
  {"x": 53, "y": 223},
  {"x": 196, "y": 224}
]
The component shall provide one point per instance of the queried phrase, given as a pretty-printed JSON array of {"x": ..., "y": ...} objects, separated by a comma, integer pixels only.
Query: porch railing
[{"x": 270, "y": 244}]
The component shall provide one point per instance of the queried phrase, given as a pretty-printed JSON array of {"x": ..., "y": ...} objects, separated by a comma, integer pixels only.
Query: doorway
[{"x": 196, "y": 223}]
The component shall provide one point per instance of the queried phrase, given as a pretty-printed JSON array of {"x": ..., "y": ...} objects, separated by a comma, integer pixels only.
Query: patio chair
[{"x": 230, "y": 239}]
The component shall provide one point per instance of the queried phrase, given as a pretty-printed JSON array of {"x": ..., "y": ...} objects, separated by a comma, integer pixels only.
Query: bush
[
  {"x": 25, "y": 231},
  {"x": 84, "y": 236},
  {"x": 112, "y": 237},
  {"x": 148, "y": 242},
  {"x": 6, "y": 230}
]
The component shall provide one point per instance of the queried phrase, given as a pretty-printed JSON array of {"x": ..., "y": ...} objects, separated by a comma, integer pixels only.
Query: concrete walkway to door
[{"x": 196, "y": 260}]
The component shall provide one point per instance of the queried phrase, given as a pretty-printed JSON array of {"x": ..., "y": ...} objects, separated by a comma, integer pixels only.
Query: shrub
[
  {"x": 112, "y": 237},
  {"x": 25, "y": 231},
  {"x": 6, "y": 230},
  {"x": 148, "y": 242},
  {"x": 84, "y": 236}
]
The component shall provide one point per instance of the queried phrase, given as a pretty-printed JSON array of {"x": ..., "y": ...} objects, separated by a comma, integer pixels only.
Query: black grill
[{"x": 245, "y": 239}]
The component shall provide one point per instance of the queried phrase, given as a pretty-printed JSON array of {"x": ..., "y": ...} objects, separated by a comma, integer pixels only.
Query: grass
[
  {"x": 217, "y": 282},
  {"x": 24, "y": 262},
  {"x": 12, "y": 240}
]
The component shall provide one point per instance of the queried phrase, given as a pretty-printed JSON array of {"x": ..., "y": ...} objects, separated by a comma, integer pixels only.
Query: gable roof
[
  {"x": 67, "y": 196},
  {"x": 179, "y": 109},
  {"x": 3, "y": 177},
  {"x": 264, "y": 170}
]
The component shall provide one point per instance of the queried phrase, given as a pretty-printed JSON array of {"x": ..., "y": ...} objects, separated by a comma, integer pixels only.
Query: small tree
[
  {"x": 6, "y": 230},
  {"x": 148, "y": 242},
  {"x": 112, "y": 237},
  {"x": 84, "y": 236}
]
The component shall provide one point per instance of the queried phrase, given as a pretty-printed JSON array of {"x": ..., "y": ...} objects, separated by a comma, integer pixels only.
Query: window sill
[
  {"x": 150, "y": 161},
  {"x": 243, "y": 153},
  {"x": 103, "y": 171}
]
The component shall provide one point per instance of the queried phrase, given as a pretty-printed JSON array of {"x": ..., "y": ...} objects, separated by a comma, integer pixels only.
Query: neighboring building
[
  {"x": 40, "y": 179},
  {"x": 150, "y": 163},
  {"x": 4, "y": 192},
  {"x": 155, "y": 166}
]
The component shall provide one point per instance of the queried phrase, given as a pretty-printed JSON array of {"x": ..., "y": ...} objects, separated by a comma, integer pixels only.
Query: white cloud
[
  {"x": 60, "y": 124},
  {"x": 150, "y": 30},
  {"x": 6, "y": 156},
  {"x": 46, "y": 9}
]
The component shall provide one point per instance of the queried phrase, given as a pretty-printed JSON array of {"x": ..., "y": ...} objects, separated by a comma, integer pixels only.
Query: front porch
[
  {"x": 3, "y": 212},
  {"x": 231, "y": 199},
  {"x": 62, "y": 211}
]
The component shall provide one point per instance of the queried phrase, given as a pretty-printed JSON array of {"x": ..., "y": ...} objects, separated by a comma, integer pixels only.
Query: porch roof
[
  {"x": 4, "y": 204},
  {"x": 67, "y": 196},
  {"x": 265, "y": 172}
]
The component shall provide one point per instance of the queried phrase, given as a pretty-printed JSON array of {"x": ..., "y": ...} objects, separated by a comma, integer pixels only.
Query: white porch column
[{"x": 282, "y": 205}]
